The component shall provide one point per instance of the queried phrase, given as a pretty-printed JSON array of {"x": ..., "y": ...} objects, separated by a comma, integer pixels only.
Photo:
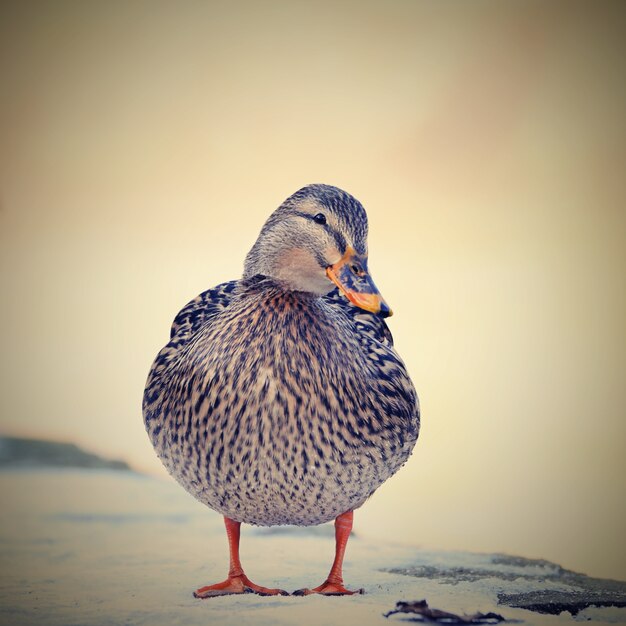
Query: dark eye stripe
[
  {"x": 340, "y": 240},
  {"x": 308, "y": 216}
]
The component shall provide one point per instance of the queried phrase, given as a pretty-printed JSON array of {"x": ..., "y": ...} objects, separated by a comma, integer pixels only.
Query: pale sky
[{"x": 143, "y": 144}]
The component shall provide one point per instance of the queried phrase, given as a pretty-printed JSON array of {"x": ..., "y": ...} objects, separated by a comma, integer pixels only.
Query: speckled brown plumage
[{"x": 278, "y": 406}]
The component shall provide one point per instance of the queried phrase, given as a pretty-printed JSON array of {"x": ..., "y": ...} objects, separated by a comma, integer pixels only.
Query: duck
[{"x": 280, "y": 398}]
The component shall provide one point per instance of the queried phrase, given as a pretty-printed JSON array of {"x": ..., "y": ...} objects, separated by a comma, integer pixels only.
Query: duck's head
[{"x": 314, "y": 241}]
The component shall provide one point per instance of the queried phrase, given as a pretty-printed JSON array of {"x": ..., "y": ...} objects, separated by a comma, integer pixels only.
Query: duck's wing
[
  {"x": 395, "y": 391},
  {"x": 201, "y": 310},
  {"x": 367, "y": 324},
  {"x": 187, "y": 323}
]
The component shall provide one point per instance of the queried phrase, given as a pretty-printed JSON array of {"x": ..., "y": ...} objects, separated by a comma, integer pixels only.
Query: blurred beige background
[{"x": 144, "y": 143}]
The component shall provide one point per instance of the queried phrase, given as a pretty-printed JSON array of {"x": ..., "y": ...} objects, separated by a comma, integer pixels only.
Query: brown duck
[{"x": 280, "y": 398}]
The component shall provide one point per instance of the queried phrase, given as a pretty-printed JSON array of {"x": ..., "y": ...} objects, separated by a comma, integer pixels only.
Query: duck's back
[{"x": 276, "y": 407}]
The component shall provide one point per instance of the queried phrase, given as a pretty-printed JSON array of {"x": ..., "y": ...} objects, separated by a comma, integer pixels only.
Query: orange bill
[{"x": 351, "y": 276}]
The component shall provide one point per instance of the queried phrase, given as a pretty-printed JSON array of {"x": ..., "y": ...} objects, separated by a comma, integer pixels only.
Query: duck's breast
[{"x": 279, "y": 413}]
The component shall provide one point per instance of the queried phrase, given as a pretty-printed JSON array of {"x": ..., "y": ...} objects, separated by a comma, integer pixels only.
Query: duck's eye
[
  {"x": 320, "y": 218},
  {"x": 357, "y": 270}
]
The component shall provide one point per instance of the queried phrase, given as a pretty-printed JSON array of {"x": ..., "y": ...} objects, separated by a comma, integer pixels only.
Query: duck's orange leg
[
  {"x": 333, "y": 585},
  {"x": 237, "y": 581}
]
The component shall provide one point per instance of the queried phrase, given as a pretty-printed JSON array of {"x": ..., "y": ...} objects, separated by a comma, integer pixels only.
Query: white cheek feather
[{"x": 300, "y": 271}]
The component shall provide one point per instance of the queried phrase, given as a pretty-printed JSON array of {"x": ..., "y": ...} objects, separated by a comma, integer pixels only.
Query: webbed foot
[
  {"x": 234, "y": 585},
  {"x": 328, "y": 588}
]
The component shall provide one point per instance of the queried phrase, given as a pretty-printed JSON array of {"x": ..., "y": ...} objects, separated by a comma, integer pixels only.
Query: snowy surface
[{"x": 99, "y": 547}]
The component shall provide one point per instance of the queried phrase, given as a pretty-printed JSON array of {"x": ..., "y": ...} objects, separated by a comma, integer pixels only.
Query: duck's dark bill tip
[{"x": 385, "y": 311}]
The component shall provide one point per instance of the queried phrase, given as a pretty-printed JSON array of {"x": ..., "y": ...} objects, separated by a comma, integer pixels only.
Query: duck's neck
[{"x": 276, "y": 295}]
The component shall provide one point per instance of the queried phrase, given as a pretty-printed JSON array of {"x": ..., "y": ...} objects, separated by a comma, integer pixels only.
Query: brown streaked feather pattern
[{"x": 279, "y": 407}]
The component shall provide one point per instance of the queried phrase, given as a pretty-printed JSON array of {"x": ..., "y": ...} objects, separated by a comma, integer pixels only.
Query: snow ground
[{"x": 100, "y": 547}]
